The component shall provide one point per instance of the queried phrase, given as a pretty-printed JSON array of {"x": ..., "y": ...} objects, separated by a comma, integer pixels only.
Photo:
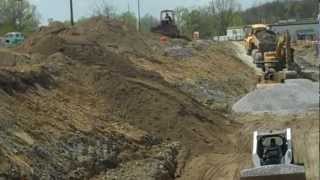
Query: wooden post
[{"x": 139, "y": 16}]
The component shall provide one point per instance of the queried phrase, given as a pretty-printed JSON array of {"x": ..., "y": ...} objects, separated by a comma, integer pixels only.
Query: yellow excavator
[{"x": 271, "y": 52}]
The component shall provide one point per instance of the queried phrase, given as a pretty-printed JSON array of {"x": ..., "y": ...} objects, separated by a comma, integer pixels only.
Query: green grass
[{"x": 5, "y": 28}]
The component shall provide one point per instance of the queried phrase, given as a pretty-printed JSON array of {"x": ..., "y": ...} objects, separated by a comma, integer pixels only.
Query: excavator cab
[{"x": 272, "y": 157}]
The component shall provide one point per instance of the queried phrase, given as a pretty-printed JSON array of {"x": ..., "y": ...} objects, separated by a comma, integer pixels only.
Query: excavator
[
  {"x": 167, "y": 26},
  {"x": 271, "y": 52},
  {"x": 272, "y": 156}
]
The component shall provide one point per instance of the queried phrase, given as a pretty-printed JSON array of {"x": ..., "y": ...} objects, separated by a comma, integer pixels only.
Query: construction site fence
[{"x": 228, "y": 38}]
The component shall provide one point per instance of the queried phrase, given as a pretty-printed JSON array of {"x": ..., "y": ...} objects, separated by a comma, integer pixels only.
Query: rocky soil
[{"x": 101, "y": 101}]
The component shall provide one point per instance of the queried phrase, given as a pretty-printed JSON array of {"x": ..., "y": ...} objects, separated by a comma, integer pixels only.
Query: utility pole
[
  {"x": 71, "y": 13},
  {"x": 128, "y": 7},
  {"x": 139, "y": 16},
  {"x": 19, "y": 14}
]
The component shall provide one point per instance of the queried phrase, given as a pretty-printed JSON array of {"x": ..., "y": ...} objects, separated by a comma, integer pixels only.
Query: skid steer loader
[{"x": 272, "y": 157}]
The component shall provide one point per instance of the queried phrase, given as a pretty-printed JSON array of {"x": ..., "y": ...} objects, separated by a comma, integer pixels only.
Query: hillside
[
  {"x": 274, "y": 11},
  {"x": 77, "y": 102},
  {"x": 101, "y": 101}
]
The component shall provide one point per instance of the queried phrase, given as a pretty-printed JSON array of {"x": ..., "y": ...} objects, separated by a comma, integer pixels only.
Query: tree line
[
  {"x": 281, "y": 9},
  {"x": 210, "y": 20},
  {"x": 214, "y": 18},
  {"x": 17, "y": 15}
]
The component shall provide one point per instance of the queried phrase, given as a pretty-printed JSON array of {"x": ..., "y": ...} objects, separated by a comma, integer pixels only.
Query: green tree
[
  {"x": 182, "y": 19},
  {"x": 274, "y": 11},
  {"x": 210, "y": 20},
  {"x": 128, "y": 18},
  {"x": 147, "y": 22},
  {"x": 19, "y": 14}
]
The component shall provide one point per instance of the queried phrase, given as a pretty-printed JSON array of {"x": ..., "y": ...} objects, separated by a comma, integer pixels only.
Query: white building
[{"x": 235, "y": 33}]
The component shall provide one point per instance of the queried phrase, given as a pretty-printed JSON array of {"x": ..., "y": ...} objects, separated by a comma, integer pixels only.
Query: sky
[{"x": 59, "y": 9}]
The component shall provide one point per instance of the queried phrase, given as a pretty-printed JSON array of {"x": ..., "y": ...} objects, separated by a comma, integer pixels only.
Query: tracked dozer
[
  {"x": 272, "y": 157},
  {"x": 167, "y": 26}
]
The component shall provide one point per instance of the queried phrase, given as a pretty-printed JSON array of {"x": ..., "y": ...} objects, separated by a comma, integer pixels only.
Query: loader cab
[
  {"x": 266, "y": 147},
  {"x": 168, "y": 17},
  {"x": 262, "y": 147},
  {"x": 253, "y": 29}
]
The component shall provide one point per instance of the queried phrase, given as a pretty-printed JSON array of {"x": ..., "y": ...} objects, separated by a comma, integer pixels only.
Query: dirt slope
[
  {"x": 77, "y": 103},
  {"x": 101, "y": 101}
]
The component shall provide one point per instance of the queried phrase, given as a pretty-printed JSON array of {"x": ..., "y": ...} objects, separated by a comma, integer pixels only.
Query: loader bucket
[{"x": 274, "y": 172}]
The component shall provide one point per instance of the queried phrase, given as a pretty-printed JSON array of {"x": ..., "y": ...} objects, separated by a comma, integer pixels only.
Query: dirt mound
[
  {"x": 80, "y": 128},
  {"x": 10, "y": 59},
  {"x": 12, "y": 82},
  {"x": 117, "y": 106}
]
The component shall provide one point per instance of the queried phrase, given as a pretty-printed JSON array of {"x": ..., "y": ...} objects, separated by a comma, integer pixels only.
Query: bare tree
[
  {"x": 224, "y": 10},
  {"x": 19, "y": 13},
  {"x": 103, "y": 8}
]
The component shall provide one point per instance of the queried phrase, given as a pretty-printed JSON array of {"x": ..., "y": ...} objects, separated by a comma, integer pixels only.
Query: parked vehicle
[
  {"x": 14, "y": 39},
  {"x": 2, "y": 42}
]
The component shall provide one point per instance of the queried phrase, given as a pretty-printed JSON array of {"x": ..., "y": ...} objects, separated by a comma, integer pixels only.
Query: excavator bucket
[{"x": 274, "y": 172}]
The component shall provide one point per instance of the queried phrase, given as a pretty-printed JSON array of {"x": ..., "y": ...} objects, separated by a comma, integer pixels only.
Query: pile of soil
[{"x": 102, "y": 94}]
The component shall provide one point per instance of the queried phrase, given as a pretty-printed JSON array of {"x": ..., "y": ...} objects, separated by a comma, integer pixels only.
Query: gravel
[
  {"x": 294, "y": 96},
  {"x": 178, "y": 52}
]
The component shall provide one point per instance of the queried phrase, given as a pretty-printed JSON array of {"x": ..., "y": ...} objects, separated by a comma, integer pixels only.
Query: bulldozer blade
[
  {"x": 274, "y": 172},
  {"x": 297, "y": 176},
  {"x": 291, "y": 75}
]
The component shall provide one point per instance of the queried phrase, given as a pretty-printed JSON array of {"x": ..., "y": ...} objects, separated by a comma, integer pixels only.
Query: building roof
[{"x": 295, "y": 22}]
